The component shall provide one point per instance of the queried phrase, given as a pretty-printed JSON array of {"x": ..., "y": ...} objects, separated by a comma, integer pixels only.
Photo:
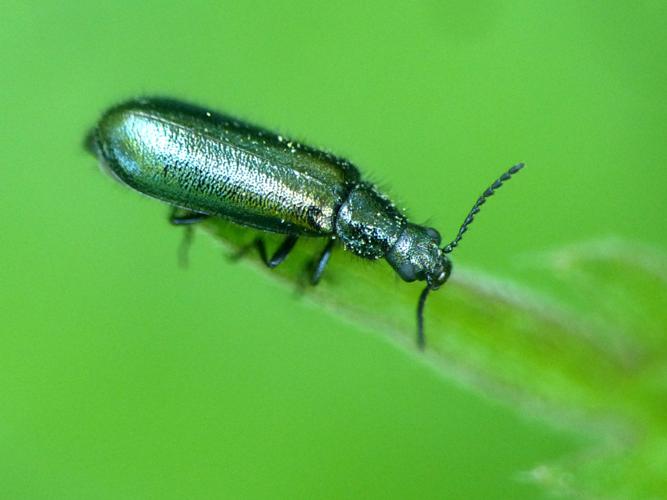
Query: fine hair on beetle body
[{"x": 206, "y": 164}]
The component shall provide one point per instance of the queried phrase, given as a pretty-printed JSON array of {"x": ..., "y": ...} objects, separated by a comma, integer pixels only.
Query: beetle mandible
[{"x": 210, "y": 164}]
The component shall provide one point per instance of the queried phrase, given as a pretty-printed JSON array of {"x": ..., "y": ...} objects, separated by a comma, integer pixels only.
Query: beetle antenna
[
  {"x": 480, "y": 201},
  {"x": 421, "y": 339}
]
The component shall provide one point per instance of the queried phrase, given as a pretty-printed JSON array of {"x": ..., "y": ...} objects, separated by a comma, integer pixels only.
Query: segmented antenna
[
  {"x": 421, "y": 340},
  {"x": 480, "y": 201}
]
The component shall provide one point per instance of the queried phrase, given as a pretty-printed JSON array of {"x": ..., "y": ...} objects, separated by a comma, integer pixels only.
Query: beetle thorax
[{"x": 368, "y": 223}]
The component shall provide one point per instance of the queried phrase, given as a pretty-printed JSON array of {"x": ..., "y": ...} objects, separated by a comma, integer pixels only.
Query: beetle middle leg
[
  {"x": 186, "y": 219},
  {"x": 278, "y": 256}
]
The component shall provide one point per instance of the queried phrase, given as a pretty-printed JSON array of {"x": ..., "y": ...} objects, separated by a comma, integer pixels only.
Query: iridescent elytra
[{"x": 207, "y": 164}]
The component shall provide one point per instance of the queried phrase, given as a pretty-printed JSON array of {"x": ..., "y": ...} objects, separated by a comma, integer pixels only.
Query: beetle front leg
[{"x": 322, "y": 262}]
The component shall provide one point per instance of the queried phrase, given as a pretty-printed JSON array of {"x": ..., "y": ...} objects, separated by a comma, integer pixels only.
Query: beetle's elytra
[{"x": 210, "y": 164}]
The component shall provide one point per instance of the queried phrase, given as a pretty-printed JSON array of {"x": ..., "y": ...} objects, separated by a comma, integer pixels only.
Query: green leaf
[{"x": 592, "y": 357}]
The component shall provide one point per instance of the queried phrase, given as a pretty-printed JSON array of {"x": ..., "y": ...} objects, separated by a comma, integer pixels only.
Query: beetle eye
[
  {"x": 407, "y": 271},
  {"x": 434, "y": 234}
]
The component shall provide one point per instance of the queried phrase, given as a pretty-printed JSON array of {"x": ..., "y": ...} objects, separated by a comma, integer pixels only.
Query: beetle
[{"x": 210, "y": 164}]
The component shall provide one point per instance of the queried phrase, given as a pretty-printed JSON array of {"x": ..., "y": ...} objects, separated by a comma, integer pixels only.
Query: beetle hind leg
[
  {"x": 186, "y": 219},
  {"x": 179, "y": 217}
]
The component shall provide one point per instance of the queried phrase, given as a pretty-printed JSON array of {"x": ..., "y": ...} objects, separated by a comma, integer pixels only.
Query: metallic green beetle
[{"x": 211, "y": 164}]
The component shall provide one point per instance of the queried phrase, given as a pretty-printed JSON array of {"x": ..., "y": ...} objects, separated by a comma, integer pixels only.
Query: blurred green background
[{"x": 123, "y": 376}]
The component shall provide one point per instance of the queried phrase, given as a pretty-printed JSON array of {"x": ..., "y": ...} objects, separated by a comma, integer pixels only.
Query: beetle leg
[
  {"x": 186, "y": 219},
  {"x": 322, "y": 262},
  {"x": 280, "y": 255},
  {"x": 277, "y": 258}
]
